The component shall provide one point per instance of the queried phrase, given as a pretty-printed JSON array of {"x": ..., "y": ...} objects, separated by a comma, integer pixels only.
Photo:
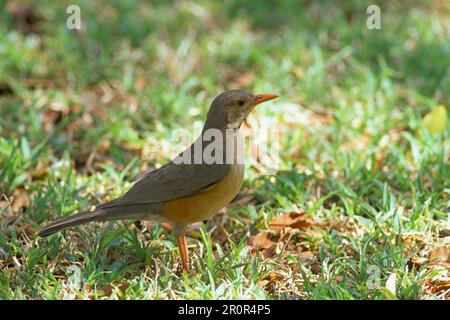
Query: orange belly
[{"x": 204, "y": 205}]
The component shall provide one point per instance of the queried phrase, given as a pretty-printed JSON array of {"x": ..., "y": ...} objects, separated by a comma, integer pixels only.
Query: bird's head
[{"x": 230, "y": 108}]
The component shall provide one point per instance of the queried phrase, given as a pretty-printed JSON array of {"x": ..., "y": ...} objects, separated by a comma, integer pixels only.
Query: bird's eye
[{"x": 241, "y": 102}]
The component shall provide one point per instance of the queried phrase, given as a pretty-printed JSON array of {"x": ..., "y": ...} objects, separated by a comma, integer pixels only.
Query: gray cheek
[
  {"x": 235, "y": 121},
  {"x": 234, "y": 125}
]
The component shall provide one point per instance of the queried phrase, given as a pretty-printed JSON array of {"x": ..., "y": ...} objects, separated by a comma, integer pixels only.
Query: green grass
[{"x": 82, "y": 113}]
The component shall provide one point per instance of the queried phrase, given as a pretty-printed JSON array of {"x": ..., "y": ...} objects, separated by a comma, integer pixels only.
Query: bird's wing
[
  {"x": 178, "y": 178},
  {"x": 174, "y": 180},
  {"x": 170, "y": 182}
]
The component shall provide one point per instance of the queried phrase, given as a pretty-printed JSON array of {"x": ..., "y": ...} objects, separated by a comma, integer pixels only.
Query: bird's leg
[
  {"x": 179, "y": 231},
  {"x": 182, "y": 247}
]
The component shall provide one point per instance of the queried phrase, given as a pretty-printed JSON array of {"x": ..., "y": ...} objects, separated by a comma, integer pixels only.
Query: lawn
[{"x": 358, "y": 207}]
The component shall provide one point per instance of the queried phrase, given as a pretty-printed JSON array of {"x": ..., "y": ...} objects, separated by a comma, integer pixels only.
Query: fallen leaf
[
  {"x": 436, "y": 120},
  {"x": 4, "y": 204},
  {"x": 109, "y": 289},
  {"x": 293, "y": 220},
  {"x": 440, "y": 256},
  {"x": 271, "y": 279},
  {"x": 308, "y": 254},
  {"x": 273, "y": 276},
  {"x": 269, "y": 253},
  {"x": 166, "y": 226},
  {"x": 28, "y": 229},
  {"x": 263, "y": 283},
  {"x": 312, "y": 234},
  {"x": 50, "y": 118},
  {"x": 441, "y": 284},
  {"x": 261, "y": 241},
  {"x": 20, "y": 200}
]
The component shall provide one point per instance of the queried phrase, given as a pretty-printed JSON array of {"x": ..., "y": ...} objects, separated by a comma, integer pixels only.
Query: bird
[{"x": 194, "y": 185}]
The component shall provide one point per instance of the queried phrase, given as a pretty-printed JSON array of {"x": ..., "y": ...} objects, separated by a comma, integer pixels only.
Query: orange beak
[{"x": 260, "y": 98}]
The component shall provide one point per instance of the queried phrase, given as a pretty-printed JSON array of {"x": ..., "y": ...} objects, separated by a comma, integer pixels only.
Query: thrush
[{"x": 194, "y": 185}]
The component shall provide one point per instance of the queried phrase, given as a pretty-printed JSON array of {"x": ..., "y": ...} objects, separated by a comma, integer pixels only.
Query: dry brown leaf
[
  {"x": 261, "y": 241},
  {"x": 440, "y": 284},
  {"x": 166, "y": 226},
  {"x": 20, "y": 200},
  {"x": 293, "y": 220},
  {"x": 28, "y": 229},
  {"x": 50, "y": 118},
  {"x": 271, "y": 278},
  {"x": 440, "y": 256},
  {"x": 269, "y": 253},
  {"x": 311, "y": 233},
  {"x": 4, "y": 204},
  {"x": 109, "y": 289},
  {"x": 263, "y": 283},
  {"x": 308, "y": 254}
]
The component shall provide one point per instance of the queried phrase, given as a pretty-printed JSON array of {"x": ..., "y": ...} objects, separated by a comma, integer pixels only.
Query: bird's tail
[
  {"x": 102, "y": 213},
  {"x": 73, "y": 220}
]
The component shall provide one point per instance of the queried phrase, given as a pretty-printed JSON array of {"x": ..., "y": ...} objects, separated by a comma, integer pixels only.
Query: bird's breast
[{"x": 205, "y": 204}]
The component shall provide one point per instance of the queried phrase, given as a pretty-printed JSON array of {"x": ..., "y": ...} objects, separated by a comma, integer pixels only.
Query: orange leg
[{"x": 182, "y": 247}]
